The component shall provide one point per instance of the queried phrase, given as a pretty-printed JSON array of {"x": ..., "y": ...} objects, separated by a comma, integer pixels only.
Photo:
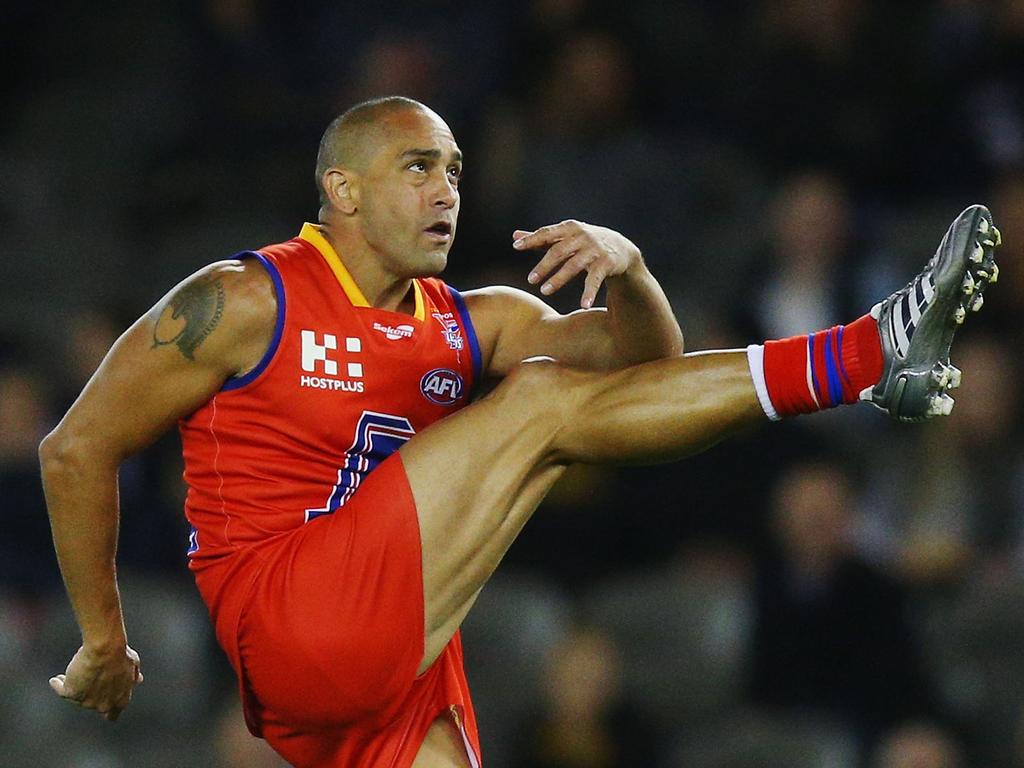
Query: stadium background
[{"x": 835, "y": 591}]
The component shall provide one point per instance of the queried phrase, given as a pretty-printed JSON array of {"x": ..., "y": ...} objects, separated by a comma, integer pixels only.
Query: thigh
[
  {"x": 333, "y": 633},
  {"x": 477, "y": 476}
]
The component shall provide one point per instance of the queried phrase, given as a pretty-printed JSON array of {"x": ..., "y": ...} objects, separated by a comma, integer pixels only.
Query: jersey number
[{"x": 378, "y": 435}]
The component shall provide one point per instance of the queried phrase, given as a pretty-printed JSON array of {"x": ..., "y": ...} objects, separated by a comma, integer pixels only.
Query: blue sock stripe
[
  {"x": 828, "y": 377},
  {"x": 839, "y": 348},
  {"x": 835, "y": 387}
]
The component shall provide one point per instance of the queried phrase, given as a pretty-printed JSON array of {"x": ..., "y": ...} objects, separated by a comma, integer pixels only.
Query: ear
[{"x": 342, "y": 189}]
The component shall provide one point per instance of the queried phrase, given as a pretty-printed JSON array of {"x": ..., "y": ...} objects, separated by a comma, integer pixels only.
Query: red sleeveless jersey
[{"x": 342, "y": 386}]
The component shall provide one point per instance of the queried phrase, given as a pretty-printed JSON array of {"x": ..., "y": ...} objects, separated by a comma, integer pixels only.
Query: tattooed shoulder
[{"x": 190, "y": 315}]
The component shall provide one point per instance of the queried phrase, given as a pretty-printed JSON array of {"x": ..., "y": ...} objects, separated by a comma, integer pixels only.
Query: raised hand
[{"x": 574, "y": 247}]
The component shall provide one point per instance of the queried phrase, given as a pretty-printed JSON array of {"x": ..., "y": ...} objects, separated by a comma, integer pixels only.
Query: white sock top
[{"x": 755, "y": 359}]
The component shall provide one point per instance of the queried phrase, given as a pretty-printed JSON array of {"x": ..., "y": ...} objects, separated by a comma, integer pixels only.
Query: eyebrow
[{"x": 430, "y": 154}]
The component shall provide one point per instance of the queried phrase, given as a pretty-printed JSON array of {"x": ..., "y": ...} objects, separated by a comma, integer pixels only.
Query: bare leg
[{"x": 478, "y": 475}]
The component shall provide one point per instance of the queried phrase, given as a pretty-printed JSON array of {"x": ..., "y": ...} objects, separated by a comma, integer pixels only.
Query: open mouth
[{"x": 441, "y": 230}]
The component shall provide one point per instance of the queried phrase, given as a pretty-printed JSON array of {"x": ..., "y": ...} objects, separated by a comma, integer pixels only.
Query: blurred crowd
[{"x": 833, "y": 591}]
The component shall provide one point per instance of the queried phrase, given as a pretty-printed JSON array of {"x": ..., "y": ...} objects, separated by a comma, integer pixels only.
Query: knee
[{"x": 544, "y": 386}]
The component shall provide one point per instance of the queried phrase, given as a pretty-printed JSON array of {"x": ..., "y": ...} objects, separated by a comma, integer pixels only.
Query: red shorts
[{"x": 324, "y": 626}]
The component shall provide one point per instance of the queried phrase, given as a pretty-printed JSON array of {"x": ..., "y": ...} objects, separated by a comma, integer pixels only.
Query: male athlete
[{"x": 348, "y": 503}]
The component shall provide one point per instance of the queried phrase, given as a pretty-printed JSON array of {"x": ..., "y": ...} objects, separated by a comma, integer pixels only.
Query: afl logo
[{"x": 441, "y": 386}]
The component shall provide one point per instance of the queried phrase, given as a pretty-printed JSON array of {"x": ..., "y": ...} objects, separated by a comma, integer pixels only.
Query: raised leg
[{"x": 478, "y": 475}]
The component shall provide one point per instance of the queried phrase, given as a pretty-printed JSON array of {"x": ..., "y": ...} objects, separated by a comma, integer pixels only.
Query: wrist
[
  {"x": 636, "y": 270},
  {"x": 105, "y": 644}
]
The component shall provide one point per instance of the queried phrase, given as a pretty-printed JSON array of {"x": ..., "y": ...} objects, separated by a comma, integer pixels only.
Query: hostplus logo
[{"x": 317, "y": 357}]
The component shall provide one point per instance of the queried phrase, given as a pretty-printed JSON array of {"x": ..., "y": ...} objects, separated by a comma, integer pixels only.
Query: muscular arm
[
  {"x": 215, "y": 324},
  {"x": 637, "y": 326}
]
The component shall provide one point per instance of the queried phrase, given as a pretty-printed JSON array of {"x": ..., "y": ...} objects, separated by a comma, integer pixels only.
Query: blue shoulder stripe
[
  {"x": 467, "y": 323},
  {"x": 275, "y": 276}
]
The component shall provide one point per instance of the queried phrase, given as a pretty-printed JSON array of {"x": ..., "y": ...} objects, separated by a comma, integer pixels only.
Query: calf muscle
[{"x": 663, "y": 410}]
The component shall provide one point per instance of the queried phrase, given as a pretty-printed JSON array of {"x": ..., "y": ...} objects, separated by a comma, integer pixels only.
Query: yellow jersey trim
[
  {"x": 419, "y": 312},
  {"x": 311, "y": 234}
]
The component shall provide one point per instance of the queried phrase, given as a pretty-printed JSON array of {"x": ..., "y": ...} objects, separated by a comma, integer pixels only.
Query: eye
[
  {"x": 419, "y": 166},
  {"x": 455, "y": 172}
]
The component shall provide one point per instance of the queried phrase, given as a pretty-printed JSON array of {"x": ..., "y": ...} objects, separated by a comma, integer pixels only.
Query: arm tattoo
[{"x": 190, "y": 316}]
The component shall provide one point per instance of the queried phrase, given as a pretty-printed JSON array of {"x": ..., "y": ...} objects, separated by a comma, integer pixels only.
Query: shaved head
[
  {"x": 388, "y": 173},
  {"x": 351, "y": 137}
]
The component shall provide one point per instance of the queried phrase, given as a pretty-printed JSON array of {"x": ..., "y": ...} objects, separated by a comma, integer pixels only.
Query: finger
[
  {"x": 556, "y": 254},
  {"x": 59, "y": 683},
  {"x": 519, "y": 239},
  {"x": 569, "y": 270},
  {"x": 548, "y": 235},
  {"x": 591, "y": 286},
  {"x": 113, "y": 714}
]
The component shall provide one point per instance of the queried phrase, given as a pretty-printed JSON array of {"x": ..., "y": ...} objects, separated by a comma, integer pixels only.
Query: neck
[{"x": 381, "y": 288}]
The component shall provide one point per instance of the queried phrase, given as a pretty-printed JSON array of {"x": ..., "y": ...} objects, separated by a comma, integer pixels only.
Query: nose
[{"x": 446, "y": 194}]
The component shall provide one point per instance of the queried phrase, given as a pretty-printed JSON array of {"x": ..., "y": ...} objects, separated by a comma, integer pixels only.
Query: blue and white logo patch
[
  {"x": 450, "y": 329},
  {"x": 442, "y": 386}
]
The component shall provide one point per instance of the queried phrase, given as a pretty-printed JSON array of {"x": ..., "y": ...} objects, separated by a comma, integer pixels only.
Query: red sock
[{"x": 803, "y": 374}]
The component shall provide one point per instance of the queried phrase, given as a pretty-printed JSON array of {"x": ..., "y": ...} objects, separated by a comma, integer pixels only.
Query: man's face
[{"x": 409, "y": 195}]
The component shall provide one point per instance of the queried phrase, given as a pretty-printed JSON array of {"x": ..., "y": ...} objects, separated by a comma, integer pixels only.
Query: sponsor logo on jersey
[
  {"x": 336, "y": 385},
  {"x": 450, "y": 329},
  {"x": 316, "y": 358},
  {"x": 442, "y": 386},
  {"x": 394, "y": 331}
]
